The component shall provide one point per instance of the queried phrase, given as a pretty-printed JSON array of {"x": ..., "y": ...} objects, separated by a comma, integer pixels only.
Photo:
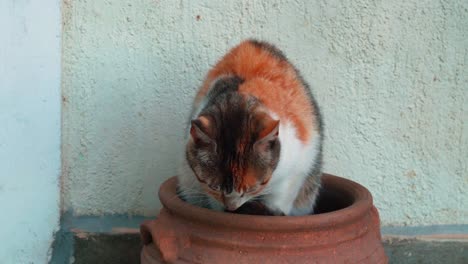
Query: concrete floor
[
  {"x": 107, "y": 249},
  {"x": 125, "y": 248}
]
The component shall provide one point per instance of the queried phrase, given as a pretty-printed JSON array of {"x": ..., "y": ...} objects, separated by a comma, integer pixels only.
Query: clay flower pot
[{"x": 346, "y": 229}]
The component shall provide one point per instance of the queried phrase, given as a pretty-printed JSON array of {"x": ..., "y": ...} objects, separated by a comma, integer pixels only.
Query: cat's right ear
[
  {"x": 268, "y": 135},
  {"x": 201, "y": 130}
]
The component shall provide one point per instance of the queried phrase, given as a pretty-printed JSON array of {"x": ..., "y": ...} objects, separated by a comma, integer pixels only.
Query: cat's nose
[{"x": 231, "y": 207}]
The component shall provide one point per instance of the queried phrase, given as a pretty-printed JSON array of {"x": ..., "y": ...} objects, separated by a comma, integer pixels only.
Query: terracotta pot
[{"x": 345, "y": 230}]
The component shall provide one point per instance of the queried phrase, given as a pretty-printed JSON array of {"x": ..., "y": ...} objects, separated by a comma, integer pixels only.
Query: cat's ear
[
  {"x": 201, "y": 130},
  {"x": 268, "y": 135}
]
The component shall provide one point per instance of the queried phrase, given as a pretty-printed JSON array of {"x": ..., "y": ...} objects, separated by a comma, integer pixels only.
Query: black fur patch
[
  {"x": 234, "y": 125},
  {"x": 231, "y": 120},
  {"x": 224, "y": 85},
  {"x": 225, "y": 107}
]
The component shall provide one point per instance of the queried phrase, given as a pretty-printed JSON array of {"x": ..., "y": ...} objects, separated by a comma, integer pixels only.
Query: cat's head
[{"x": 233, "y": 149}]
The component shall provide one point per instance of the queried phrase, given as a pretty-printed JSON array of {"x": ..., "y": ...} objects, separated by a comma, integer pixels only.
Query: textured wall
[
  {"x": 390, "y": 77},
  {"x": 29, "y": 129}
]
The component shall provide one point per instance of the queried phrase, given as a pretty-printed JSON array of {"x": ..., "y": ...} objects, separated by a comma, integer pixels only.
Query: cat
[{"x": 255, "y": 134}]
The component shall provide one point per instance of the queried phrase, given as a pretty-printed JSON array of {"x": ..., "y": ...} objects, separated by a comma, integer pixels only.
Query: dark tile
[
  {"x": 411, "y": 251},
  {"x": 125, "y": 249},
  {"x": 107, "y": 248}
]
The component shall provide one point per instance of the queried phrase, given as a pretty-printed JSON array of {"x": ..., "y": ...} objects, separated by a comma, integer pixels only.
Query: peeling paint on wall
[{"x": 390, "y": 77}]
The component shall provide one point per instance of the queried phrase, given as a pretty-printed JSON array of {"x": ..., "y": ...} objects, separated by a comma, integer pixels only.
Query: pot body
[{"x": 197, "y": 235}]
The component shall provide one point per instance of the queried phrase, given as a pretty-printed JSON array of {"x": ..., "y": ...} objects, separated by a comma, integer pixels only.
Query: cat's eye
[
  {"x": 215, "y": 187},
  {"x": 265, "y": 181}
]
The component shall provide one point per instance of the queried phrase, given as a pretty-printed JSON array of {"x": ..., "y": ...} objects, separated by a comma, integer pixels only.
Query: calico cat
[{"x": 255, "y": 134}]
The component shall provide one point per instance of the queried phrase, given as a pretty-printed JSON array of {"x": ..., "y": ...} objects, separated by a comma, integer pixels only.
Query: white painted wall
[
  {"x": 390, "y": 77},
  {"x": 29, "y": 129}
]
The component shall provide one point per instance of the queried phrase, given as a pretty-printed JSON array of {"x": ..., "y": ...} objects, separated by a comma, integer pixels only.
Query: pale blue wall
[
  {"x": 29, "y": 129},
  {"x": 390, "y": 77}
]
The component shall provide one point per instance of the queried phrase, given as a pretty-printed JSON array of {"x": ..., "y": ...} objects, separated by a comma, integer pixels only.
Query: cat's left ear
[
  {"x": 201, "y": 130},
  {"x": 268, "y": 135}
]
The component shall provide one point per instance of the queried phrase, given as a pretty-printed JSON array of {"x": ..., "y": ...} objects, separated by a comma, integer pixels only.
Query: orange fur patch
[
  {"x": 273, "y": 81},
  {"x": 248, "y": 180},
  {"x": 261, "y": 187},
  {"x": 269, "y": 128}
]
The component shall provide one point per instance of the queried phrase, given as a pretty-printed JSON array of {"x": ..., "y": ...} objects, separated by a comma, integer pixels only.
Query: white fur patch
[{"x": 296, "y": 161}]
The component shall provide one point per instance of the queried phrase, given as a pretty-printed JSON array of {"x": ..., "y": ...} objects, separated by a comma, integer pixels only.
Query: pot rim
[{"x": 361, "y": 205}]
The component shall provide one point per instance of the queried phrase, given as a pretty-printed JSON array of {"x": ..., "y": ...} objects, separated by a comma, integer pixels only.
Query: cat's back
[
  {"x": 269, "y": 76},
  {"x": 249, "y": 60}
]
